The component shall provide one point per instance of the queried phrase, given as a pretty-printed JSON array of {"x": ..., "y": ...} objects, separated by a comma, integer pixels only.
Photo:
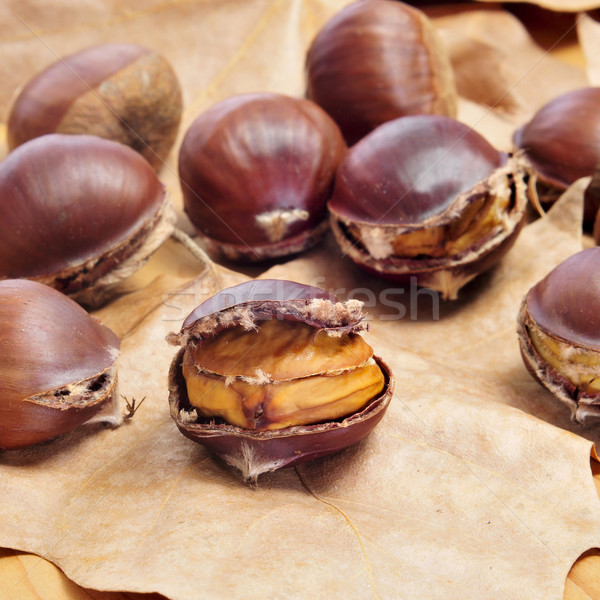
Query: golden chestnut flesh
[
  {"x": 559, "y": 333},
  {"x": 256, "y": 172},
  {"x": 426, "y": 197},
  {"x": 562, "y": 143},
  {"x": 375, "y": 61},
  {"x": 79, "y": 213},
  {"x": 269, "y": 376},
  {"x": 57, "y": 365},
  {"x": 123, "y": 92}
]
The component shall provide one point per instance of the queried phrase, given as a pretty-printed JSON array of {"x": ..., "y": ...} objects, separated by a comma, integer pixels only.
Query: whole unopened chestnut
[
  {"x": 272, "y": 373},
  {"x": 559, "y": 333},
  {"x": 123, "y": 92},
  {"x": 57, "y": 364},
  {"x": 256, "y": 173},
  {"x": 428, "y": 197},
  {"x": 79, "y": 213},
  {"x": 562, "y": 142},
  {"x": 377, "y": 60}
]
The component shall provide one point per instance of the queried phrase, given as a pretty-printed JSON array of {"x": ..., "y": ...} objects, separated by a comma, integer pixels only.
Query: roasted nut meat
[
  {"x": 272, "y": 373},
  {"x": 57, "y": 364},
  {"x": 559, "y": 333},
  {"x": 427, "y": 197}
]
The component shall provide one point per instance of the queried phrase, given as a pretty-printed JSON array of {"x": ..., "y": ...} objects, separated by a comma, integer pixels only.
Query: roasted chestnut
[
  {"x": 272, "y": 373},
  {"x": 256, "y": 173},
  {"x": 123, "y": 92},
  {"x": 562, "y": 142},
  {"x": 427, "y": 197},
  {"x": 559, "y": 333},
  {"x": 377, "y": 60},
  {"x": 57, "y": 364},
  {"x": 79, "y": 213}
]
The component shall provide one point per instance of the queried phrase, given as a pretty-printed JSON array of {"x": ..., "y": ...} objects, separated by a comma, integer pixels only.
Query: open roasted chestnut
[
  {"x": 427, "y": 197},
  {"x": 272, "y": 373},
  {"x": 559, "y": 333},
  {"x": 57, "y": 365},
  {"x": 79, "y": 213},
  {"x": 123, "y": 92},
  {"x": 256, "y": 173},
  {"x": 377, "y": 60},
  {"x": 562, "y": 142}
]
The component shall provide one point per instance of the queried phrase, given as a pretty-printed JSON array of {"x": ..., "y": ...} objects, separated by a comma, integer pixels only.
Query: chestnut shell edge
[{"x": 257, "y": 452}]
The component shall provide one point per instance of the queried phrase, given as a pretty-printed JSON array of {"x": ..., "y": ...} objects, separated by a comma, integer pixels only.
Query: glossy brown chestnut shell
[
  {"x": 427, "y": 197},
  {"x": 57, "y": 364},
  {"x": 562, "y": 142},
  {"x": 559, "y": 333},
  {"x": 123, "y": 92},
  {"x": 256, "y": 452},
  {"x": 256, "y": 173},
  {"x": 79, "y": 213},
  {"x": 377, "y": 60}
]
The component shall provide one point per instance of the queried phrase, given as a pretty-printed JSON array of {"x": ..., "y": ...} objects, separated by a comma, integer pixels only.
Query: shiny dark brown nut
[
  {"x": 429, "y": 198},
  {"x": 377, "y": 60},
  {"x": 562, "y": 142},
  {"x": 273, "y": 373},
  {"x": 123, "y": 92},
  {"x": 559, "y": 333},
  {"x": 57, "y": 364},
  {"x": 79, "y": 213},
  {"x": 256, "y": 173}
]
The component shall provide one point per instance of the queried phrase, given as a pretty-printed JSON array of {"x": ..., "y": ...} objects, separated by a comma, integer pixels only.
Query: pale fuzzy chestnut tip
[{"x": 57, "y": 366}]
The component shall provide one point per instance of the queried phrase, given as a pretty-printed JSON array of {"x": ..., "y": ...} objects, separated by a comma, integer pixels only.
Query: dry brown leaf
[
  {"x": 470, "y": 487},
  {"x": 588, "y": 30}
]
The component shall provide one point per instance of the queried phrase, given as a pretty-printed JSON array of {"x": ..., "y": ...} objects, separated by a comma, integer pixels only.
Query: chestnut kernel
[
  {"x": 559, "y": 333},
  {"x": 427, "y": 197},
  {"x": 79, "y": 213},
  {"x": 562, "y": 143},
  {"x": 272, "y": 373},
  {"x": 377, "y": 60},
  {"x": 57, "y": 364},
  {"x": 256, "y": 173},
  {"x": 123, "y": 92}
]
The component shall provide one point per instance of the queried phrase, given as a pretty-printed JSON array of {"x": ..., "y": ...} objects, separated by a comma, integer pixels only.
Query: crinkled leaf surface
[{"x": 472, "y": 486}]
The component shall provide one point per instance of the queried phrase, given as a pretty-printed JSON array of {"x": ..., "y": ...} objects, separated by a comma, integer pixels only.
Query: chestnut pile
[{"x": 272, "y": 373}]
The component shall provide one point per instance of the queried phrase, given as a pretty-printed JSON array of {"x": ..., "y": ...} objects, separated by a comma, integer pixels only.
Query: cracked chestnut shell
[
  {"x": 377, "y": 60},
  {"x": 427, "y": 197},
  {"x": 123, "y": 92},
  {"x": 264, "y": 337},
  {"x": 562, "y": 143},
  {"x": 256, "y": 173},
  {"x": 559, "y": 333},
  {"x": 79, "y": 213},
  {"x": 57, "y": 364}
]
